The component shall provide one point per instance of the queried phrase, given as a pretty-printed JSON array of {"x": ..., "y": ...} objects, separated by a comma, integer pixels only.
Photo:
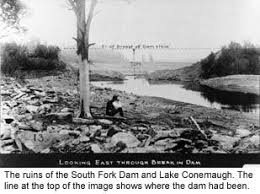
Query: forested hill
[{"x": 230, "y": 60}]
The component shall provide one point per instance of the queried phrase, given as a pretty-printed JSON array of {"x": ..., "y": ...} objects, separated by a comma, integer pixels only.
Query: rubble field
[{"x": 40, "y": 116}]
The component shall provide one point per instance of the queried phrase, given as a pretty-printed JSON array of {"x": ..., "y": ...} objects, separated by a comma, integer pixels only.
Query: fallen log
[{"x": 198, "y": 127}]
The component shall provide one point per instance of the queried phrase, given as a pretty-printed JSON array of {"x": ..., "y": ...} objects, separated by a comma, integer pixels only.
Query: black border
[{"x": 113, "y": 160}]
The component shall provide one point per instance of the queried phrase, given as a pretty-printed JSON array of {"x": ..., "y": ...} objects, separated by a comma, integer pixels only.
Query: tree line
[{"x": 232, "y": 59}]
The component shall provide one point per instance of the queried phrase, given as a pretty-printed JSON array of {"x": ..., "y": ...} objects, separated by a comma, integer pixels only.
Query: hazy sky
[{"x": 181, "y": 23}]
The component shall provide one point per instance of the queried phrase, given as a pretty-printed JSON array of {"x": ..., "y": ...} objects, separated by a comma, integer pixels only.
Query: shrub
[
  {"x": 14, "y": 57},
  {"x": 46, "y": 52},
  {"x": 18, "y": 58}
]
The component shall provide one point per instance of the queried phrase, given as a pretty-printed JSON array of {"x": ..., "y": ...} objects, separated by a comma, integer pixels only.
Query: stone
[
  {"x": 74, "y": 134},
  {"x": 255, "y": 140},
  {"x": 46, "y": 151},
  {"x": 84, "y": 139},
  {"x": 95, "y": 148},
  {"x": 32, "y": 88},
  {"x": 243, "y": 132},
  {"x": 34, "y": 141},
  {"x": 19, "y": 96},
  {"x": 32, "y": 108},
  {"x": 40, "y": 94},
  {"x": 5, "y": 132},
  {"x": 64, "y": 132},
  {"x": 23, "y": 126},
  {"x": 164, "y": 142},
  {"x": 105, "y": 121},
  {"x": 67, "y": 110},
  {"x": 94, "y": 128},
  {"x": 26, "y": 90},
  {"x": 37, "y": 125},
  {"x": 10, "y": 104},
  {"x": 225, "y": 141},
  {"x": 81, "y": 121},
  {"x": 33, "y": 102},
  {"x": 45, "y": 108},
  {"x": 60, "y": 116},
  {"x": 127, "y": 138}
]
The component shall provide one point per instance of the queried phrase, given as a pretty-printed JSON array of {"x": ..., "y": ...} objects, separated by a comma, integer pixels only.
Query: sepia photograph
[{"x": 129, "y": 82}]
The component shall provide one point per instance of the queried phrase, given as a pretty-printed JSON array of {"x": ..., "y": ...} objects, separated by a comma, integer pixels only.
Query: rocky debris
[{"x": 41, "y": 120}]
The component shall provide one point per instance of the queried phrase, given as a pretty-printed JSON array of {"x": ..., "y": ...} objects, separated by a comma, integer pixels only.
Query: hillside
[
  {"x": 230, "y": 60},
  {"x": 189, "y": 73},
  {"x": 235, "y": 83}
]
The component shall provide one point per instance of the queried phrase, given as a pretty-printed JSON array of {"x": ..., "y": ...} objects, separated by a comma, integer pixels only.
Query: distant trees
[{"x": 233, "y": 59}]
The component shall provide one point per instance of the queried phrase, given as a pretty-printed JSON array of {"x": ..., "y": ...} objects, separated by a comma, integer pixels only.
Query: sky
[{"x": 179, "y": 23}]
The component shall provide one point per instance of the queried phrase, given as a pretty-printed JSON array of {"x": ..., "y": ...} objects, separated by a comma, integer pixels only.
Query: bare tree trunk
[{"x": 83, "y": 28}]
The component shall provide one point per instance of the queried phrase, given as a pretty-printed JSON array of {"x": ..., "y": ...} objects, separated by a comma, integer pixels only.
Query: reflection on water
[{"x": 187, "y": 92}]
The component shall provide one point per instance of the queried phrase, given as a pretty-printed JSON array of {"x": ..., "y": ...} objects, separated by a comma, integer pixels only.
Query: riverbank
[
  {"x": 190, "y": 73},
  {"x": 46, "y": 109},
  {"x": 235, "y": 83}
]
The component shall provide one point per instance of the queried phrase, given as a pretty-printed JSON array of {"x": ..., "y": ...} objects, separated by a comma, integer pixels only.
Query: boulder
[
  {"x": 105, "y": 122},
  {"x": 36, "y": 142},
  {"x": 37, "y": 125},
  {"x": 127, "y": 138},
  {"x": 40, "y": 94},
  {"x": 243, "y": 132},
  {"x": 32, "y": 108},
  {"x": 5, "y": 132},
  {"x": 95, "y": 148}
]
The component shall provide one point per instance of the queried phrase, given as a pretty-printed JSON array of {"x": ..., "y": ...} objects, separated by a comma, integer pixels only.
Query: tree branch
[
  {"x": 72, "y": 3},
  {"x": 91, "y": 13},
  {"x": 91, "y": 44}
]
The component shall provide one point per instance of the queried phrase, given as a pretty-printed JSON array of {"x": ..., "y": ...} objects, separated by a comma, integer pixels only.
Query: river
[{"x": 187, "y": 92}]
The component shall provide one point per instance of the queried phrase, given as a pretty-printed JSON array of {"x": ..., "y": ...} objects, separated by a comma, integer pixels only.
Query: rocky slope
[{"x": 40, "y": 116}]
